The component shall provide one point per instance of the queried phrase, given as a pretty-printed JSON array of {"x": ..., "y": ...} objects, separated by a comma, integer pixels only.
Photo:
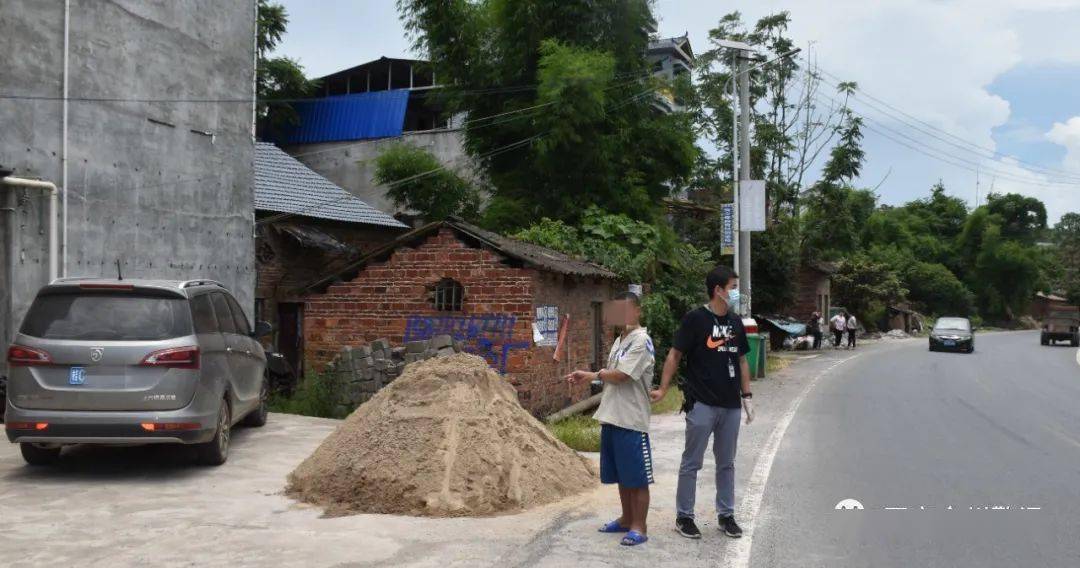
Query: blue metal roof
[{"x": 380, "y": 114}]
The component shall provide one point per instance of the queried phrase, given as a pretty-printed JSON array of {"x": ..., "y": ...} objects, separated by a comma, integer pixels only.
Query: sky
[{"x": 981, "y": 94}]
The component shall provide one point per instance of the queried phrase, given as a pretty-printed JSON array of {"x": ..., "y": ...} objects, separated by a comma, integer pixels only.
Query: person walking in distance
[
  {"x": 838, "y": 324},
  {"x": 852, "y": 326},
  {"x": 625, "y": 453},
  {"x": 814, "y": 327},
  {"x": 717, "y": 392}
]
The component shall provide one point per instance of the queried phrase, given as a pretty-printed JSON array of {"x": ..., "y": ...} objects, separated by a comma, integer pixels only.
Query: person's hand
[
  {"x": 657, "y": 395},
  {"x": 748, "y": 409},
  {"x": 578, "y": 377}
]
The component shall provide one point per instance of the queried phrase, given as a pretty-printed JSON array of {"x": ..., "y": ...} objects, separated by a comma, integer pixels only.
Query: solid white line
[
  {"x": 755, "y": 488},
  {"x": 1078, "y": 356}
]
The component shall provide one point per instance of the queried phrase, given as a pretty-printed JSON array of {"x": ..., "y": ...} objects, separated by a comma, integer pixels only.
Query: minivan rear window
[{"x": 107, "y": 316}]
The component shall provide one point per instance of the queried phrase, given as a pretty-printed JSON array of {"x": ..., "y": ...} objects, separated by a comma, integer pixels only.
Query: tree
[
  {"x": 276, "y": 77},
  {"x": 1021, "y": 217},
  {"x": 573, "y": 96},
  {"x": 861, "y": 284},
  {"x": 1067, "y": 239},
  {"x": 936, "y": 289},
  {"x": 436, "y": 192}
]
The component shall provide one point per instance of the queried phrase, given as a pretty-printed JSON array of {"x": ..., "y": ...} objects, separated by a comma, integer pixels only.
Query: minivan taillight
[
  {"x": 177, "y": 357},
  {"x": 21, "y": 356}
]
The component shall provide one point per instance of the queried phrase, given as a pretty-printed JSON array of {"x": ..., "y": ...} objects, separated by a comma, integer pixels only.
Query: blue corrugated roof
[{"x": 349, "y": 117}]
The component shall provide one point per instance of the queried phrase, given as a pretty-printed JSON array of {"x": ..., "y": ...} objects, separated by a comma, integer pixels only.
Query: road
[{"x": 994, "y": 435}]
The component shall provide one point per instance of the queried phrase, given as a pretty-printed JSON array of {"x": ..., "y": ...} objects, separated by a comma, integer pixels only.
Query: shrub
[{"x": 317, "y": 395}]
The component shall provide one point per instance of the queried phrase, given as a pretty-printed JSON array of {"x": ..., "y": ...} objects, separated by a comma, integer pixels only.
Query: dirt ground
[{"x": 146, "y": 505}]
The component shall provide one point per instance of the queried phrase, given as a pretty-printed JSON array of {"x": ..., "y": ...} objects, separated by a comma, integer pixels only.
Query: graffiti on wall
[{"x": 489, "y": 336}]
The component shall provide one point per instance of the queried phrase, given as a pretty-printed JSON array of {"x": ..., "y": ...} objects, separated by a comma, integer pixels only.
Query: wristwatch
[{"x": 748, "y": 395}]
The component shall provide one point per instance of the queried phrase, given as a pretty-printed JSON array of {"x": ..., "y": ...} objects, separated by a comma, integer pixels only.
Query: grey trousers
[{"x": 722, "y": 424}]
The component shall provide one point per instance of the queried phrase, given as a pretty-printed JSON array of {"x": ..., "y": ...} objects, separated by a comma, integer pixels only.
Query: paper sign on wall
[{"x": 546, "y": 326}]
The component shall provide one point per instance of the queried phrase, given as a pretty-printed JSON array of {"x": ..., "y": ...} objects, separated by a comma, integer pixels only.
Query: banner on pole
[
  {"x": 752, "y": 205},
  {"x": 727, "y": 231}
]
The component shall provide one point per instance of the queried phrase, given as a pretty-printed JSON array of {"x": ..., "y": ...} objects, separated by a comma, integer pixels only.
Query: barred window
[{"x": 448, "y": 295}]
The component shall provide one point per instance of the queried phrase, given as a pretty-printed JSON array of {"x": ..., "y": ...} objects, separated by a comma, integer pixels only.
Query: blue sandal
[
  {"x": 633, "y": 538},
  {"x": 613, "y": 527}
]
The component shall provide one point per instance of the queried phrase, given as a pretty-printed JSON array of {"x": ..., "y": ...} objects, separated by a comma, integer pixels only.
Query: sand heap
[{"x": 447, "y": 438}]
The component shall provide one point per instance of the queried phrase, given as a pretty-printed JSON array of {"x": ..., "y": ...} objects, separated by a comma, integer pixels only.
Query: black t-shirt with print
[{"x": 712, "y": 346}]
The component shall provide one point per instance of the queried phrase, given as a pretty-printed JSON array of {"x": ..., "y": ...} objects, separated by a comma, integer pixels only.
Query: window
[
  {"x": 203, "y": 314},
  {"x": 106, "y": 316},
  {"x": 224, "y": 315},
  {"x": 241, "y": 321},
  {"x": 448, "y": 295}
]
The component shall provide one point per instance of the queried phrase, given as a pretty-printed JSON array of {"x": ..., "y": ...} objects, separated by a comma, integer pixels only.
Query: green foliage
[
  {"x": 439, "y": 194},
  {"x": 1006, "y": 274},
  {"x": 1022, "y": 218},
  {"x": 775, "y": 264},
  {"x": 671, "y": 403},
  {"x": 581, "y": 433},
  {"x": 1066, "y": 259},
  {"x": 595, "y": 141},
  {"x": 936, "y": 289},
  {"x": 276, "y": 77},
  {"x": 861, "y": 283},
  {"x": 637, "y": 252},
  {"x": 316, "y": 396}
]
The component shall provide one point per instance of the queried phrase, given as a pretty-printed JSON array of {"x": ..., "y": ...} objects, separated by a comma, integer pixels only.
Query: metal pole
[
  {"x": 744, "y": 174},
  {"x": 64, "y": 139},
  {"x": 734, "y": 174}
]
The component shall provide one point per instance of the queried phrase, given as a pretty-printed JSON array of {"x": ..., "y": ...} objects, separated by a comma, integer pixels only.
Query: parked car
[
  {"x": 1061, "y": 325},
  {"x": 134, "y": 362},
  {"x": 952, "y": 334}
]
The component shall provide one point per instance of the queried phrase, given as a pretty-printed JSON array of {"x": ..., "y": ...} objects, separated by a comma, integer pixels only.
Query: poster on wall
[{"x": 546, "y": 326}]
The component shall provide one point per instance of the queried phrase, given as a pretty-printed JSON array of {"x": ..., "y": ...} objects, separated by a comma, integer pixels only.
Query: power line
[{"x": 995, "y": 153}]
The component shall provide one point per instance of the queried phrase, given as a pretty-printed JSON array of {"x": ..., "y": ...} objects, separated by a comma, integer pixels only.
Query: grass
[
  {"x": 582, "y": 432},
  {"x": 775, "y": 364},
  {"x": 315, "y": 396}
]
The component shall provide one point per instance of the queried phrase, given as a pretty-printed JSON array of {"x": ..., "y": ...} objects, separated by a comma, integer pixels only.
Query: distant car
[
  {"x": 134, "y": 362},
  {"x": 1061, "y": 325},
  {"x": 952, "y": 334}
]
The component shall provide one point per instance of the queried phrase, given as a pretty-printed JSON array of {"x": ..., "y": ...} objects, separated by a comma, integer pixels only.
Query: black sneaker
[
  {"x": 730, "y": 527},
  {"x": 686, "y": 527}
]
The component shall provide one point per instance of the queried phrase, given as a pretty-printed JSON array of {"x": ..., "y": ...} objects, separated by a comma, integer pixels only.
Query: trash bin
[{"x": 757, "y": 355}]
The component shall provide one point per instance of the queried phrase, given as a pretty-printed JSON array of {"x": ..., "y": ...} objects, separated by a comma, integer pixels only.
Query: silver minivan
[{"x": 134, "y": 362}]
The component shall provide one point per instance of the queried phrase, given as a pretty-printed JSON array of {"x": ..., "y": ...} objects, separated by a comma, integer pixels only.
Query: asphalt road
[{"x": 958, "y": 460}]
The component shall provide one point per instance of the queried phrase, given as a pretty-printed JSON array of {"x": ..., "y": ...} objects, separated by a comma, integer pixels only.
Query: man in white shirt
[
  {"x": 839, "y": 324},
  {"x": 852, "y": 326}
]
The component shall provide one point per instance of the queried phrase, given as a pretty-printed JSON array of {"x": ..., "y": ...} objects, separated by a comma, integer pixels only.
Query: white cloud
[{"x": 1067, "y": 134}]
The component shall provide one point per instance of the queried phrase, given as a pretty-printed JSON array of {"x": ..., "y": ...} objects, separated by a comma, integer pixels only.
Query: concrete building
[
  {"x": 502, "y": 299},
  {"x": 151, "y": 148},
  {"x": 307, "y": 226},
  {"x": 670, "y": 58},
  {"x": 362, "y": 110}
]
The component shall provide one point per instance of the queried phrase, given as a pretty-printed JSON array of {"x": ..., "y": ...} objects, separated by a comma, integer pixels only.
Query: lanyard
[{"x": 730, "y": 363}]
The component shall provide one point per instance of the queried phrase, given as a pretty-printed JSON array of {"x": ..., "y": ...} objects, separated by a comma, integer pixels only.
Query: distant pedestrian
[
  {"x": 814, "y": 326},
  {"x": 838, "y": 324},
  {"x": 625, "y": 451},
  {"x": 852, "y": 326}
]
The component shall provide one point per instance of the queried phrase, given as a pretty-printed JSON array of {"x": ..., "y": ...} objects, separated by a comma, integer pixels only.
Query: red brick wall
[
  {"x": 380, "y": 300},
  {"x": 809, "y": 284}
]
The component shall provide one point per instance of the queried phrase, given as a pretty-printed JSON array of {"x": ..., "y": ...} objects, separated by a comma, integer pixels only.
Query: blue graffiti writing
[{"x": 489, "y": 336}]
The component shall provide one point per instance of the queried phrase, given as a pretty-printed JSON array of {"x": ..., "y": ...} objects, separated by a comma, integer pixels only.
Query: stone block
[
  {"x": 416, "y": 346},
  {"x": 440, "y": 341},
  {"x": 445, "y": 352},
  {"x": 361, "y": 352},
  {"x": 380, "y": 345},
  {"x": 397, "y": 353}
]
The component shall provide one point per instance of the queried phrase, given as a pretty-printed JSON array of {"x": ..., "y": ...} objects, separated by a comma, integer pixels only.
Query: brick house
[
  {"x": 503, "y": 298},
  {"x": 305, "y": 225},
  {"x": 813, "y": 289}
]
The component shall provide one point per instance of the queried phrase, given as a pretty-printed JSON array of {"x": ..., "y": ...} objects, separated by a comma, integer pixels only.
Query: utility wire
[{"x": 972, "y": 145}]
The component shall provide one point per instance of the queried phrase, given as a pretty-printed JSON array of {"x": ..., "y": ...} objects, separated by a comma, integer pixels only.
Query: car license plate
[
  {"x": 77, "y": 376},
  {"x": 950, "y": 343}
]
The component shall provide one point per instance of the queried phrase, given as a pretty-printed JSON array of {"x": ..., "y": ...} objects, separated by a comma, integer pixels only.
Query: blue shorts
[{"x": 625, "y": 457}]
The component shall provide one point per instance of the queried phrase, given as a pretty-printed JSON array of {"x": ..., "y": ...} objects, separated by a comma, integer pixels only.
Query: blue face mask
[{"x": 733, "y": 299}]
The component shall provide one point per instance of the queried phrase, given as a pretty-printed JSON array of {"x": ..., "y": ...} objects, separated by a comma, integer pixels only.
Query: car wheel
[
  {"x": 36, "y": 454},
  {"x": 216, "y": 451},
  {"x": 257, "y": 417},
  {"x": 1075, "y": 342}
]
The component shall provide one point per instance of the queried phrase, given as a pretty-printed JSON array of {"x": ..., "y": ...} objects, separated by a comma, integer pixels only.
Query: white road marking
[
  {"x": 1078, "y": 356},
  {"x": 755, "y": 487}
]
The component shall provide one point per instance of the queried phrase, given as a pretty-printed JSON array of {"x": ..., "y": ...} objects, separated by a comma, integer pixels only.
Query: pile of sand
[{"x": 447, "y": 438}]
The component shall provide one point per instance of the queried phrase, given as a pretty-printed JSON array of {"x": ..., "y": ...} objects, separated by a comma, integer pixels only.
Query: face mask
[{"x": 733, "y": 299}]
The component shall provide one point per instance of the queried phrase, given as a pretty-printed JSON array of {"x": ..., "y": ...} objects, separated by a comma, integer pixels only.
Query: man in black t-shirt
[{"x": 717, "y": 390}]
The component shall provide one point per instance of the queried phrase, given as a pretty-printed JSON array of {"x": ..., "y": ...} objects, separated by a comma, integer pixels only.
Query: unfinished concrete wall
[
  {"x": 159, "y": 181},
  {"x": 351, "y": 164}
]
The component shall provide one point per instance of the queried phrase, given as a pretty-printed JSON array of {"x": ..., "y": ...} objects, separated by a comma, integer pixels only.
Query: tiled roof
[
  {"x": 528, "y": 254},
  {"x": 284, "y": 185}
]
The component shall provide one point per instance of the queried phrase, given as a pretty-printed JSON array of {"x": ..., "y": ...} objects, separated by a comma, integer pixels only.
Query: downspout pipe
[
  {"x": 54, "y": 245},
  {"x": 64, "y": 137}
]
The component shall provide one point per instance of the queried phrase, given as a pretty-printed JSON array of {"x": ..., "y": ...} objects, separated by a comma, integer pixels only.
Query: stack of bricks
[{"x": 357, "y": 373}]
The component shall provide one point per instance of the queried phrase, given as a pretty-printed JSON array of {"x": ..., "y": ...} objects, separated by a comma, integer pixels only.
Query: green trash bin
[{"x": 757, "y": 355}]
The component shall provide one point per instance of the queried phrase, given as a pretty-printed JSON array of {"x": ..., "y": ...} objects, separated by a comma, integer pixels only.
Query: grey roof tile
[{"x": 284, "y": 185}]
